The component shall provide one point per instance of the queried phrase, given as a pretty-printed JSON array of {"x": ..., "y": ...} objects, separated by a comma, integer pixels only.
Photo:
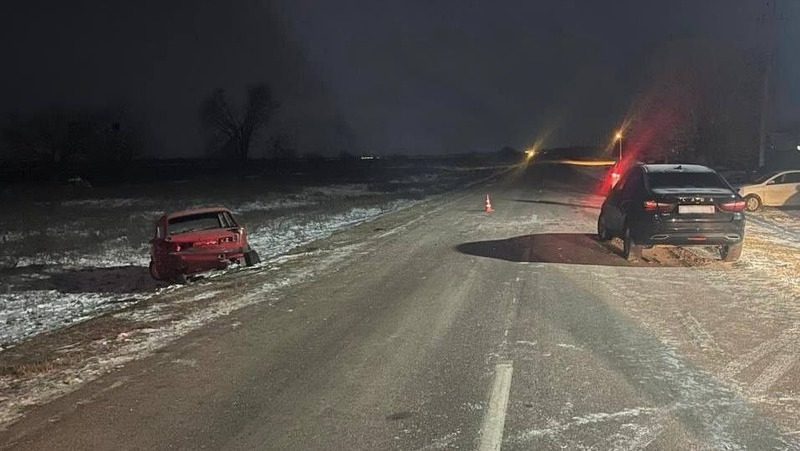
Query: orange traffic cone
[{"x": 489, "y": 208}]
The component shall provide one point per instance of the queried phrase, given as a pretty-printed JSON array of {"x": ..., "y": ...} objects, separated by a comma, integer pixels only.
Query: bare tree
[{"x": 235, "y": 131}]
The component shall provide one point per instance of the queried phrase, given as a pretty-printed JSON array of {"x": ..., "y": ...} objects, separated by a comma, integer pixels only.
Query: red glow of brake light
[
  {"x": 733, "y": 207},
  {"x": 615, "y": 178}
]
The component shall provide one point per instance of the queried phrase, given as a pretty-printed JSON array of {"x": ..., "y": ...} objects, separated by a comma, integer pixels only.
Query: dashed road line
[
  {"x": 495, "y": 419},
  {"x": 491, "y": 432}
]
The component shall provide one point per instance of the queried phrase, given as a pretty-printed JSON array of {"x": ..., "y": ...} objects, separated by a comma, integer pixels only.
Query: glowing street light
[{"x": 618, "y": 137}]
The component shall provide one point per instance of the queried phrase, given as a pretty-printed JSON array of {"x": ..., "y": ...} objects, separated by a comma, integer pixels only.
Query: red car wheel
[{"x": 154, "y": 272}]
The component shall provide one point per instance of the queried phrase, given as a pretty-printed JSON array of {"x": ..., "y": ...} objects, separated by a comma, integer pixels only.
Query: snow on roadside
[
  {"x": 340, "y": 190},
  {"x": 32, "y": 312},
  {"x": 110, "y": 203},
  {"x": 105, "y": 355},
  {"x": 282, "y": 235},
  {"x": 276, "y": 204},
  {"x": 781, "y": 227},
  {"x": 52, "y": 289},
  {"x": 112, "y": 253}
]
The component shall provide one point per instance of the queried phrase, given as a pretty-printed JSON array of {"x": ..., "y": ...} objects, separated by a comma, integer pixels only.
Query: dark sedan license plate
[{"x": 696, "y": 209}]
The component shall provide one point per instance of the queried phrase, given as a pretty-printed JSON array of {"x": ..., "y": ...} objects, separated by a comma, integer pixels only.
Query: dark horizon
[{"x": 398, "y": 78}]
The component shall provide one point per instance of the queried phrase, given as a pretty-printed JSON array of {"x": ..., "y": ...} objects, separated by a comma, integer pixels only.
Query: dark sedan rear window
[{"x": 685, "y": 180}]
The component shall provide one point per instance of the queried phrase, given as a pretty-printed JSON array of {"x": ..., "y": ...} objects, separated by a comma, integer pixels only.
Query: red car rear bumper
[{"x": 193, "y": 261}]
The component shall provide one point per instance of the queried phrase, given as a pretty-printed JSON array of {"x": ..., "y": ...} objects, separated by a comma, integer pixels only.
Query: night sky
[{"x": 408, "y": 77}]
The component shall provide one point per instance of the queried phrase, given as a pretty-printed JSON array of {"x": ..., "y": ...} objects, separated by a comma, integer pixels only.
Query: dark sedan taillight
[
  {"x": 652, "y": 206},
  {"x": 733, "y": 207}
]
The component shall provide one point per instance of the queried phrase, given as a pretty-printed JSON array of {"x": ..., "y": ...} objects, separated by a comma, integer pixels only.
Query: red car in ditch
[{"x": 197, "y": 240}]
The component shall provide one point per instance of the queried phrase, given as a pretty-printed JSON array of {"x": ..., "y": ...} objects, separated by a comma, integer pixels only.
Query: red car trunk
[{"x": 198, "y": 240}]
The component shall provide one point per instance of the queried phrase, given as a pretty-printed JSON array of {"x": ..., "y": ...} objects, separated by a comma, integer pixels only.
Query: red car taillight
[
  {"x": 733, "y": 207},
  {"x": 652, "y": 206}
]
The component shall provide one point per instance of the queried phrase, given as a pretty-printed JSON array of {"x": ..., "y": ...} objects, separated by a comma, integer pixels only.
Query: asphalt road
[{"x": 447, "y": 328}]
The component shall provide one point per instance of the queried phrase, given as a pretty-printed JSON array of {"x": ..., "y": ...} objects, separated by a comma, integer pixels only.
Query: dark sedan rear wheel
[
  {"x": 630, "y": 250},
  {"x": 602, "y": 232},
  {"x": 731, "y": 252}
]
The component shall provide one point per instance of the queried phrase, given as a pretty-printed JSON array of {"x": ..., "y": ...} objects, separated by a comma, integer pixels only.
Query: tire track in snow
[
  {"x": 788, "y": 338},
  {"x": 719, "y": 410},
  {"x": 646, "y": 433},
  {"x": 789, "y": 233},
  {"x": 773, "y": 373},
  {"x": 698, "y": 334}
]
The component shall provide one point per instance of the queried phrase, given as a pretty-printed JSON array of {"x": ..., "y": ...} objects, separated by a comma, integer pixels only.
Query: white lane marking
[
  {"x": 569, "y": 346},
  {"x": 526, "y": 342},
  {"x": 495, "y": 419}
]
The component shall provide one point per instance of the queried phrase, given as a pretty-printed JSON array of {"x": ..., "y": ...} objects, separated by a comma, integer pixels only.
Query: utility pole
[{"x": 770, "y": 36}]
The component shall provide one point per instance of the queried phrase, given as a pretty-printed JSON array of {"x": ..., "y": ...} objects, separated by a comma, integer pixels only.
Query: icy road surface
[{"x": 441, "y": 327}]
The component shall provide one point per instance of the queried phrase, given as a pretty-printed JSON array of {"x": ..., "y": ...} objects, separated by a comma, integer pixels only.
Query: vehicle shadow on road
[
  {"x": 565, "y": 204},
  {"x": 567, "y": 248},
  {"x": 115, "y": 280}
]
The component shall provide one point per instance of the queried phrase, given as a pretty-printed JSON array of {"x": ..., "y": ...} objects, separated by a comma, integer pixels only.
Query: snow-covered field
[{"x": 74, "y": 256}]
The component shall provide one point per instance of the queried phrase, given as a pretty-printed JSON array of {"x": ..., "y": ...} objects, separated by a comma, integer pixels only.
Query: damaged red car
[{"x": 198, "y": 240}]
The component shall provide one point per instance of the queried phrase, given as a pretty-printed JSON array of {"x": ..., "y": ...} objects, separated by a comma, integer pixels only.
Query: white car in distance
[{"x": 777, "y": 189}]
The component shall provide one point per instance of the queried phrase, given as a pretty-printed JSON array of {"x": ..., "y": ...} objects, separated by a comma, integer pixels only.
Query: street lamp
[{"x": 618, "y": 137}]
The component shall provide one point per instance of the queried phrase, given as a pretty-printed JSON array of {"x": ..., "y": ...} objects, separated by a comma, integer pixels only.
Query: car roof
[
  {"x": 676, "y": 168},
  {"x": 195, "y": 211}
]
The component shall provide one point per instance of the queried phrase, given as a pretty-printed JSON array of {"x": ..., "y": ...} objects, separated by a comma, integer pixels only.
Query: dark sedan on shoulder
[{"x": 678, "y": 205}]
